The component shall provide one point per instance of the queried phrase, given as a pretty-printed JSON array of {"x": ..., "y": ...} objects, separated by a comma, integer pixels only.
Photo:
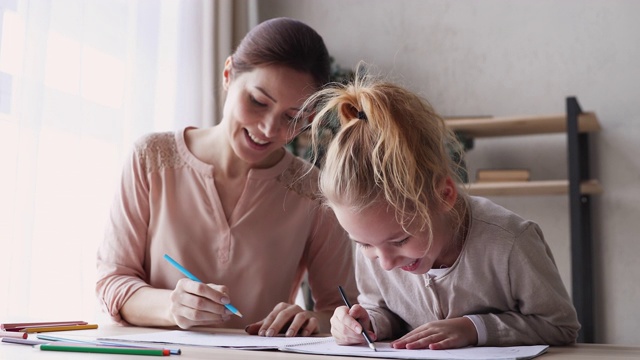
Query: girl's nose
[{"x": 387, "y": 260}]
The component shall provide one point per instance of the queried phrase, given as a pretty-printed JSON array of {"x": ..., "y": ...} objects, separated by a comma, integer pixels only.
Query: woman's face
[
  {"x": 380, "y": 237},
  {"x": 260, "y": 109}
]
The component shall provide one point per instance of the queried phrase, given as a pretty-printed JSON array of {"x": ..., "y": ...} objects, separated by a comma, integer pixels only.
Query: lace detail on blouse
[
  {"x": 299, "y": 179},
  {"x": 159, "y": 150}
]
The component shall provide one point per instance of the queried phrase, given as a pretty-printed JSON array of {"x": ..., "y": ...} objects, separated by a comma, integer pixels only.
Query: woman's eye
[
  {"x": 364, "y": 246},
  {"x": 256, "y": 102}
]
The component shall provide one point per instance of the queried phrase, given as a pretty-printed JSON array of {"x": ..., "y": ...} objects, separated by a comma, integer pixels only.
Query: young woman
[
  {"x": 435, "y": 268},
  {"x": 228, "y": 203}
]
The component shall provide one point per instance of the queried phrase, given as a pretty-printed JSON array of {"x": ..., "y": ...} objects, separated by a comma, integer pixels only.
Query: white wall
[{"x": 499, "y": 57}]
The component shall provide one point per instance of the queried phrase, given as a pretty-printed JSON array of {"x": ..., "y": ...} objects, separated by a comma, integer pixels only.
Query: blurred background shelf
[{"x": 579, "y": 186}]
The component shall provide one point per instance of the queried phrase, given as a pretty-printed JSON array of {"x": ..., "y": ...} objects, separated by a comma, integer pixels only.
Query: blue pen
[{"x": 194, "y": 278}]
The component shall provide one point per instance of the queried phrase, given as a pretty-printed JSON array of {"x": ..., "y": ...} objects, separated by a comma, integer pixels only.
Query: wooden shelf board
[
  {"x": 520, "y": 125},
  {"x": 543, "y": 187}
]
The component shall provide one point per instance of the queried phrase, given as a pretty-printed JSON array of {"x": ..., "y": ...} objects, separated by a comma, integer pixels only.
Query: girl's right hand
[
  {"x": 196, "y": 304},
  {"x": 345, "y": 327}
]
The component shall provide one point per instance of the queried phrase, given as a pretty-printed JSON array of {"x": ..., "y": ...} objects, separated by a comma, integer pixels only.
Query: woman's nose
[{"x": 270, "y": 126}]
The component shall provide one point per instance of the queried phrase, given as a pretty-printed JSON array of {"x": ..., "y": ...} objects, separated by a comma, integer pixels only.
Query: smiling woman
[{"x": 79, "y": 80}]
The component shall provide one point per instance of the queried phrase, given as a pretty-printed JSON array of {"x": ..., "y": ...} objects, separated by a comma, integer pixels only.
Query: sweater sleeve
[
  {"x": 386, "y": 324},
  {"x": 544, "y": 312},
  {"x": 120, "y": 257},
  {"x": 329, "y": 260}
]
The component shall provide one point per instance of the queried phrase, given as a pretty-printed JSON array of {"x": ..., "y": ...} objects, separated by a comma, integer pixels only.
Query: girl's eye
[
  {"x": 401, "y": 242},
  {"x": 364, "y": 246}
]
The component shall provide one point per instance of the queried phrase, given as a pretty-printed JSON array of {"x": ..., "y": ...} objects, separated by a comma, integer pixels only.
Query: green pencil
[{"x": 104, "y": 349}]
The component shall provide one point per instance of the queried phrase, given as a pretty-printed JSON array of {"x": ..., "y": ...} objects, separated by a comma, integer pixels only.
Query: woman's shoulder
[
  {"x": 301, "y": 177},
  {"x": 155, "y": 140},
  {"x": 158, "y": 150}
]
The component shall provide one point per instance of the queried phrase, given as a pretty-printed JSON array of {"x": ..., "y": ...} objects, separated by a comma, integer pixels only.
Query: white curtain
[{"x": 80, "y": 80}]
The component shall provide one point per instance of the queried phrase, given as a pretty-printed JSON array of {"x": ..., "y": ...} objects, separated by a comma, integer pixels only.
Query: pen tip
[{"x": 373, "y": 347}]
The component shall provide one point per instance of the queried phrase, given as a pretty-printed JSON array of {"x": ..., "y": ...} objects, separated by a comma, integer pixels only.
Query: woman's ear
[{"x": 226, "y": 73}]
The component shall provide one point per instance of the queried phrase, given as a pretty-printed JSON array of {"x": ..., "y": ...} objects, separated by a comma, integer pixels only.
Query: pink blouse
[{"x": 168, "y": 204}]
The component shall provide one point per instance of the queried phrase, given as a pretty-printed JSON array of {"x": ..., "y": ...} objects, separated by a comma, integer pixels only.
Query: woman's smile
[{"x": 254, "y": 140}]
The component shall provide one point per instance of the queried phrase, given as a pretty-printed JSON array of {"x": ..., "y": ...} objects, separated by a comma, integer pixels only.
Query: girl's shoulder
[{"x": 489, "y": 217}]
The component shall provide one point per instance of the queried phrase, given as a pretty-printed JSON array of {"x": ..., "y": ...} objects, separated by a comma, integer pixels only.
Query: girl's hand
[
  {"x": 346, "y": 329},
  {"x": 286, "y": 317},
  {"x": 196, "y": 304},
  {"x": 438, "y": 335}
]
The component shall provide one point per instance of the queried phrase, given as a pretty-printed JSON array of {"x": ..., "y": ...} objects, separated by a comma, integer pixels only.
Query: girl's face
[
  {"x": 260, "y": 108},
  {"x": 380, "y": 237}
]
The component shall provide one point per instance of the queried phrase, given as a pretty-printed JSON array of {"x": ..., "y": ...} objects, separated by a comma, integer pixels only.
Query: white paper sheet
[
  {"x": 327, "y": 346},
  {"x": 384, "y": 350},
  {"x": 195, "y": 338}
]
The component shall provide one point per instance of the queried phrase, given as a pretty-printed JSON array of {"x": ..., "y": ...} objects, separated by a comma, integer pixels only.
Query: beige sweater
[
  {"x": 168, "y": 204},
  {"x": 505, "y": 274}
]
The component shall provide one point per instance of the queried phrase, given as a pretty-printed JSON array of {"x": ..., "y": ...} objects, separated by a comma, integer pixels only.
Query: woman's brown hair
[{"x": 287, "y": 42}]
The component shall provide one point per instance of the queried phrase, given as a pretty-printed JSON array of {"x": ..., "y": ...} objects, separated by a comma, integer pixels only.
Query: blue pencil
[{"x": 194, "y": 278}]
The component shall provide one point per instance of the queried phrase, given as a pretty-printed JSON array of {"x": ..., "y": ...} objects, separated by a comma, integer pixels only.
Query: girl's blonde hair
[{"x": 391, "y": 147}]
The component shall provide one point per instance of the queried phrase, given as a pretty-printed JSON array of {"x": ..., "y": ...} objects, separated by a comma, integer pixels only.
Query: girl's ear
[
  {"x": 226, "y": 73},
  {"x": 449, "y": 194}
]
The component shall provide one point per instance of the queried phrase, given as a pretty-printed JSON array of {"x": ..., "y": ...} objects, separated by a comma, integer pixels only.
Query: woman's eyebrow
[{"x": 263, "y": 91}]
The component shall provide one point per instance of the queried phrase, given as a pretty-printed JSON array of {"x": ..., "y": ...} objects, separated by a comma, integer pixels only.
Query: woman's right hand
[
  {"x": 346, "y": 329},
  {"x": 197, "y": 304}
]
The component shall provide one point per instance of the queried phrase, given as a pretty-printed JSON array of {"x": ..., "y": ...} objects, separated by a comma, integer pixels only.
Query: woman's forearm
[{"x": 148, "y": 307}]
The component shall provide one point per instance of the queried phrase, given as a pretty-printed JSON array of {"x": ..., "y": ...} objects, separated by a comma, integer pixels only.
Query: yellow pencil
[{"x": 59, "y": 328}]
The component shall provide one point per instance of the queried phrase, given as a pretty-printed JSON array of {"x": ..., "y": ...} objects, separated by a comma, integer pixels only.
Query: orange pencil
[
  {"x": 13, "y": 334},
  {"x": 59, "y": 328},
  {"x": 20, "y": 326}
]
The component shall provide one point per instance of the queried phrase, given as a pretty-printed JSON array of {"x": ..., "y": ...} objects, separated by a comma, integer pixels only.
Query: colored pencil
[
  {"x": 59, "y": 328},
  {"x": 103, "y": 343},
  {"x": 23, "y": 341},
  {"x": 194, "y": 278},
  {"x": 13, "y": 334},
  {"x": 20, "y": 326},
  {"x": 104, "y": 349}
]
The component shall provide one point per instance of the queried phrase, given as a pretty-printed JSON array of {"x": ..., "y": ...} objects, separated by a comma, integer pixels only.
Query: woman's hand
[
  {"x": 345, "y": 327},
  {"x": 288, "y": 318},
  {"x": 196, "y": 304},
  {"x": 438, "y": 335}
]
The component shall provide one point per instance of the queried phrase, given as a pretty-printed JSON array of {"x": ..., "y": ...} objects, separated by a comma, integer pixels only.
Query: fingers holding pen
[
  {"x": 194, "y": 304},
  {"x": 347, "y": 325}
]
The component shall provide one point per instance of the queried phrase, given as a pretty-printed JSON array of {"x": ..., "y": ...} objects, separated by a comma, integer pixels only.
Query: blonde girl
[{"x": 435, "y": 268}]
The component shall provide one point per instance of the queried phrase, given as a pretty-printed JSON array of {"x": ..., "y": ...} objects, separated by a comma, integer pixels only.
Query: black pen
[{"x": 364, "y": 332}]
